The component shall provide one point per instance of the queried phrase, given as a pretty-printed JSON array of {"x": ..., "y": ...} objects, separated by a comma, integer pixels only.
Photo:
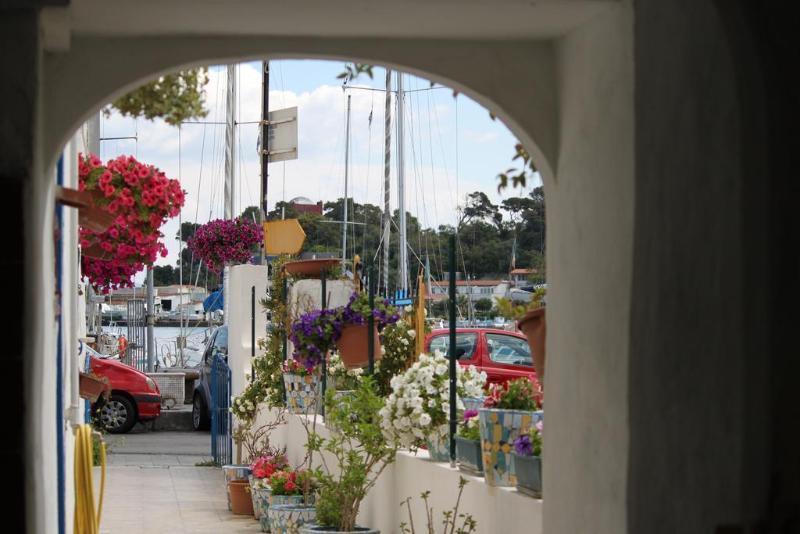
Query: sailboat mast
[
  {"x": 230, "y": 144},
  {"x": 346, "y": 176},
  {"x": 401, "y": 189},
  {"x": 387, "y": 159}
]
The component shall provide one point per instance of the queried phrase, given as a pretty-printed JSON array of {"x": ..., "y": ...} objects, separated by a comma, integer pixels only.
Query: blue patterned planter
[
  {"x": 499, "y": 429},
  {"x": 303, "y": 393},
  {"x": 261, "y": 504},
  {"x": 315, "y": 529},
  {"x": 234, "y": 472},
  {"x": 473, "y": 403},
  {"x": 438, "y": 448},
  {"x": 469, "y": 456},
  {"x": 289, "y": 518},
  {"x": 529, "y": 474}
]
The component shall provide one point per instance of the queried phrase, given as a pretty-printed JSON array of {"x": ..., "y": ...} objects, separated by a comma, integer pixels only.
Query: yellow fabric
[{"x": 87, "y": 519}]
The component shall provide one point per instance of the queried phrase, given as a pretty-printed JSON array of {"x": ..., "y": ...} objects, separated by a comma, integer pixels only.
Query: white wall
[
  {"x": 241, "y": 278},
  {"x": 497, "y": 510}
]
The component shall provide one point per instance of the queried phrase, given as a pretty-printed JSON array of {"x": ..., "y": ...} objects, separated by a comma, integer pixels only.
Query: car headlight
[{"x": 151, "y": 384}]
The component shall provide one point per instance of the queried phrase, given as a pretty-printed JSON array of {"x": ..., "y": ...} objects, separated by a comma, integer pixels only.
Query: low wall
[{"x": 495, "y": 509}]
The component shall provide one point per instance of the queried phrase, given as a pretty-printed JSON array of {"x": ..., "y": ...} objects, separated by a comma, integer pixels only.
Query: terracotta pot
[
  {"x": 310, "y": 268},
  {"x": 241, "y": 502},
  {"x": 534, "y": 327},
  {"x": 353, "y": 345},
  {"x": 91, "y": 387}
]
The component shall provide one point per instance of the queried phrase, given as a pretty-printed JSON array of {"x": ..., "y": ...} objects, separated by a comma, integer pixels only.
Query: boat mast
[
  {"x": 346, "y": 173},
  {"x": 401, "y": 190},
  {"x": 387, "y": 158},
  {"x": 230, "y": 144}
]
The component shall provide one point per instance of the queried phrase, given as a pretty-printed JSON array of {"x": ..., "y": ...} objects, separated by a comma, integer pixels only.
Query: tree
[
  {"x": 164, "y": 275},
  {"x": 174, "y": 98}
]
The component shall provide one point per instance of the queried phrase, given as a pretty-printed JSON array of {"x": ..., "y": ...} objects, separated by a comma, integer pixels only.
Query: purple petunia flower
[{"x": 523, "y": 445}]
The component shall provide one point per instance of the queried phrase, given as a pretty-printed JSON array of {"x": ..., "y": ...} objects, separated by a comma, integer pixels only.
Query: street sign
[
  {"x": 283, "y": 237},
  {"x": 282, "y": 145}
]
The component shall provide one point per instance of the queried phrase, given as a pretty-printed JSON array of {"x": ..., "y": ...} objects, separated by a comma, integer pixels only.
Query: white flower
[
  {"x": 412, "y": 333},
  {"x": 408, "y": 308},
  {"x": 424, "y": 419}
]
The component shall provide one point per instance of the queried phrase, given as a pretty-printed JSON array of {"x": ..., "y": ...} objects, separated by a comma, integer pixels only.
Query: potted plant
[
  {"x": 468, "y": 444},
  {"x": 291, "y": 503},
  {"x": 508, "y": 413},
  {"x": 341, "y": 379},
  {"x": 450, "y": 518},
  {"x": 237, "y": 473},
  {"x": 224, "y": 242},
  {"x": 528, "y": 461},
  {"x": 262, "y": 468},
  {"x": 303, "y": 387},
  {"x": 361, "y": 453},
  {"x": 418, "y": 408},
  {"x": 353, "y": 340},
  {"x": 530, "y": 319}
]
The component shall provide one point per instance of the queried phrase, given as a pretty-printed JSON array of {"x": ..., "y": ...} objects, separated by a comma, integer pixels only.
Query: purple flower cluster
[
  {"x": 357, "y": 311},
  {"x": 523, "y": 445},
  {"x": 220, "y": 242},
  {"x": 469, "y": 414},
  {"x": 314, "y": 334}
]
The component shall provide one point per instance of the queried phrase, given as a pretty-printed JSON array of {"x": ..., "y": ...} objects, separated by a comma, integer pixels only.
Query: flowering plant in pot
[
  {"x": 340, "y": 378},
  {"x": 418, "y": 408},
  {"x": 468, "y": 444},
  {"x": 224, "y": 242},
  {"x": 508, "y": 413},
  {"x": 303, "y": 386},
  {"x": 291, "y": 503},
  {"x": 140, "y": 198},
  {"x": 361, "y": 453},
  {"x": 314, "y": 334},
  {"x": 353, "y": 340},
  {"x": 528, "y": 461},
  {"x": 262, "y": 468}
]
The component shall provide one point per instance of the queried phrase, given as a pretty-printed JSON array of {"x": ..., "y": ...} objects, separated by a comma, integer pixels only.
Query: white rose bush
[{"x": 418, "y": 407}]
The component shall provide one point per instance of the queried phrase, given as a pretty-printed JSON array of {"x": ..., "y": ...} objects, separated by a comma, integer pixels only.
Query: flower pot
[
  {"x": 469, "y": 456},
  {"x": 234, "y": 472},
  {"x": 529, "y": 474},
  {"x": 438, "y": 448},
  {"x": 310, "y": 268},
  {"x": 316, "y": 529},
  {"x": 534, "y": 327},
  {"x": 473, "y": 403},
  {"x": 499, "y": 429},
  {"x": 303, "y": 393},
  {"x": 241, "y": 502},
  {"x": 91, "y": 387},
  {"x": 353, "y": 345},
  {"x": 289, "y": 518},
  {"x": 260, "y": 496}
]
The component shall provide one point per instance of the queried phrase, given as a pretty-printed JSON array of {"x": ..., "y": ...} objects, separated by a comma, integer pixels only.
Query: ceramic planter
[
  {"x": 473, "y": 403},
  {"x": 234, "y": 472},
  {"x": 353, "y": 345},
  {"x": 260, "y": 496},
  {"x": 290, "y": 518},
  {"x": 469, "y": 456},
  {"x": 529, "y": 474},
  {"x": 310, "y": 268},
  {"x": 534, "y": 327},
  {"x": 499, "y": 429},
  {"x": 303, "y": 393},
  {"x": 241, "y": 502},
  {"x": 92, "y": 387},
  {"x": 315, "y": 529},
  {"x": 439, "y": 448}
]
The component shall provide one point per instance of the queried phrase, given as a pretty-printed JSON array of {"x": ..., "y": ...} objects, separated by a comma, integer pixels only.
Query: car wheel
[
  {"x": 200, "y": 417},
  {"x": 118, "y": 415}
]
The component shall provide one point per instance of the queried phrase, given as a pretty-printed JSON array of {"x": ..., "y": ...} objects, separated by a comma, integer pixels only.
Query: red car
[
  {"x": 503, "y": 355},
  {"x": 134, "y": 395}
]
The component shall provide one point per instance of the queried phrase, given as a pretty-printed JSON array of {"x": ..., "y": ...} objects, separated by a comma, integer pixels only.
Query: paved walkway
[{"x": 153, "y": 486}]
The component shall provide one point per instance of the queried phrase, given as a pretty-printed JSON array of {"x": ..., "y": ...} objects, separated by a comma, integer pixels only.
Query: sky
[{"x": 453, "y": 147}]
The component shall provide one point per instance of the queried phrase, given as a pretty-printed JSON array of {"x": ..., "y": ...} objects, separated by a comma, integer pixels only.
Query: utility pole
[
  {"x": 401, "y": 188},
  {"x": 387, "y": 158},
  {"x": 151, "y": 319},
  {"x": 92, "y": 146},
  {"x": 346, "y": 172}
]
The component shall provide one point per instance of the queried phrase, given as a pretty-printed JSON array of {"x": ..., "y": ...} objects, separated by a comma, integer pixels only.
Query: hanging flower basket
[
  {"x": 138, "y": 199},
  {"x": 225, "y": 242},
  {"x": 353, "y": 345},
  {"x": 535, "y": 329}
]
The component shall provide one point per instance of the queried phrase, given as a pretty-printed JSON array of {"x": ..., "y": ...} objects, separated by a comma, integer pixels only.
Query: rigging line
[
  {"x": 414, "y": 163},
  {"x": 409, "y": 247},
  {"x": 369, "y": 166},
  {"x": 215, "y": 145},
  {"x": 437, "y": 257},
  {"x": 444, "y": 157}
]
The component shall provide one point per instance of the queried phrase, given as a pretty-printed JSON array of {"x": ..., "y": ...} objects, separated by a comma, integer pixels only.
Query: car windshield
[
  {"x": 509, "y": 350},
  {"x": 465, "y": 345}
]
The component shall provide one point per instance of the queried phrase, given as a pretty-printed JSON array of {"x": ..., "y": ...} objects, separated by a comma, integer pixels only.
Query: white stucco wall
[
  {"x": 497, "y": 510},
  {"x": 241, "y": 278}
]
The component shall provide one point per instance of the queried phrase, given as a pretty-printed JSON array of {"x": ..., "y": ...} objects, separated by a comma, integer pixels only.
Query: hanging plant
[
  {"x": 224, "y": 242},
  {"x": 141, "y": 198}
]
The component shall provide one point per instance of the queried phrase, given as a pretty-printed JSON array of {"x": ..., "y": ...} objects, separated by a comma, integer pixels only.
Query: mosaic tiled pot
[
  {"x": 316, "y": 529},
  {"x": 529, "y": 474},
  {"x": 499, "y": 429},
  {"x": 469, "y": 455},
  {"x": 289, "y": 518},
  {"x": 260, "y": 496},
  {"x": 438, "y": 448},
  {"x": 473, "y": 403},
  {"x": 234, "y": 472},
  {"x": 303, "y": 393}
]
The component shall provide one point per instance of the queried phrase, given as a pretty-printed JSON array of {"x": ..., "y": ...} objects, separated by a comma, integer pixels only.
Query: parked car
[
  {"x": 134, "y": 395},
  {"x": 201, "y": 398},
  {"x": 503, "y": 355}
]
